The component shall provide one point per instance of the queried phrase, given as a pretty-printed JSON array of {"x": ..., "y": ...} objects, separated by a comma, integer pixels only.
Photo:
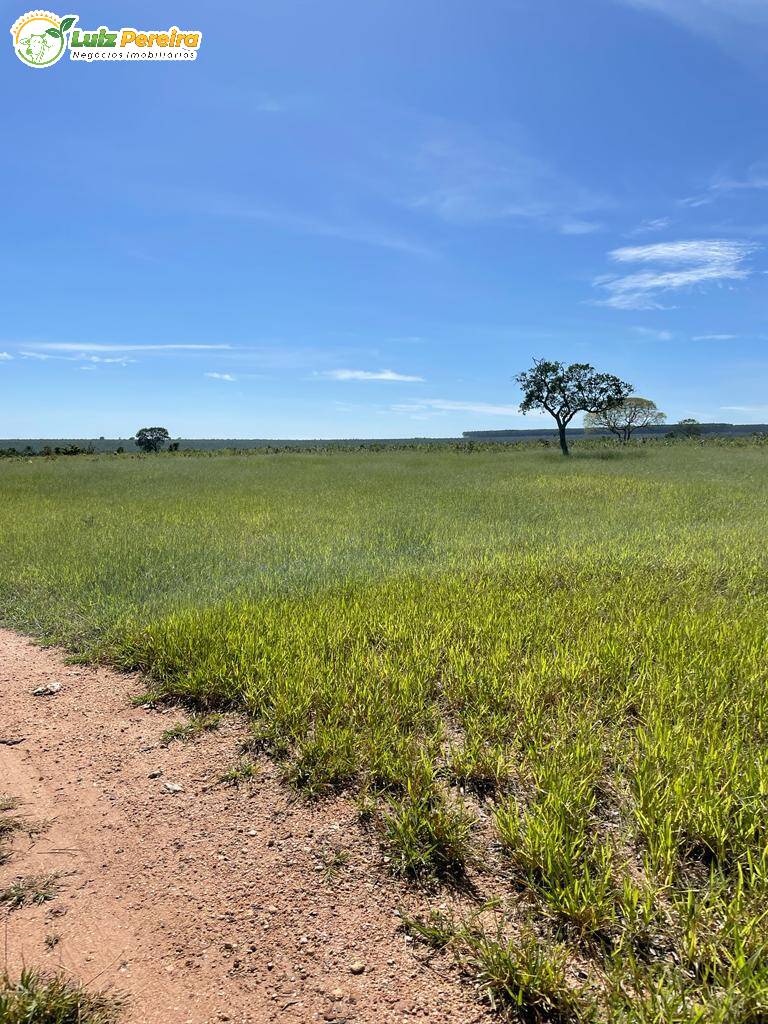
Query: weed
[
  {"x": 525, "y": 976},
  {"x": 333, "y": 861},
  {"x": 241, "y": 772},
  {"x": 198, "y": 724},
  {"x": 36, "y": 998},
  {"x": 437, "y": 930},
  {"x": 428, "y": 838},
  {"x": 367, "y": 807},
  {"x": 31, "y": 889},
  {"x": 10, "y": 825}
]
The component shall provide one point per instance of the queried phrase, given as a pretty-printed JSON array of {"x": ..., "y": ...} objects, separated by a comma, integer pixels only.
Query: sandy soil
[{"x": 210, "y": 904}]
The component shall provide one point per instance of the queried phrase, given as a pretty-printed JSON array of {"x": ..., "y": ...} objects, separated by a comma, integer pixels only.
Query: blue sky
[{"x": 362, "y": 219}]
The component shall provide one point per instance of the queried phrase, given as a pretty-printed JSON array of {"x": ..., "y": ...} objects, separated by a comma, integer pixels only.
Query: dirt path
[{"x": 210, "y": 904}]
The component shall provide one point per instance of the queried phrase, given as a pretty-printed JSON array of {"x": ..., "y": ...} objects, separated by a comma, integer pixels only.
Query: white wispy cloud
[
  {"x": 655, "y": 333},
  {"x": 81, "y": 357},
  {"x": 715, "y": 337},
  {"x": 677, "y": 265},
  {"x": 228, "y": 377},
  {"x": 649, "y": 227},
  {"x": 347, "y": 228},
  {"x": 5, "y": 356},
  {"x": 754, "y": 179},
  {"x": 386, "y": 375},
  {"x": 448, "y": 405},
  {"x": 579, "y": 227},
  {"x": 467, "y": 178},
  {"x": 737, "y": 24},
  {"x": 118, "y": 360},
  {"x": 66, "y": 346}
]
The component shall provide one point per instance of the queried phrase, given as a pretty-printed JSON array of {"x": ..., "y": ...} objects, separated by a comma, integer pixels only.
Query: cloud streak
[
  {"x": 654, "y": 333},
  {"x": 465, "y": 178},
  {"x": 66, "y": 346},
  {"x": 736, "y": 24},
  {"x": 229, "y": 378},
  {"x": 383, "y": 375},
  {"x": 81, "y": 357},
  {"x": 715, "y": 337},
  {"x": 673, "y": 266},
  {"x": 649, "y": 227},
  {"x": 350, "y": 229},
  {"x": 443, "y": 405}
]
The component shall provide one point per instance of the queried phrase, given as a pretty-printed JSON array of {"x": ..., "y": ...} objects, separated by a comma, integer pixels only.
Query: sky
[{"x": 353, "y": 219}]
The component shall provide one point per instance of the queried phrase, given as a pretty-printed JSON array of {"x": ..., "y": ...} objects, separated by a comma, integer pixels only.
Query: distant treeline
[
  {"x": 662, "y": 430},
  {"x": 78, "y": 446},
  {"x": 472, "y": 440}
]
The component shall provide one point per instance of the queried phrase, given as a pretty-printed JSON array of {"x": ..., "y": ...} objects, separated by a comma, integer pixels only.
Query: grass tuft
[
  {"x": 240, "y": 773},
  {"x": 524, "y": 976},
  {"x": 427, "y": 838},
  {"x": 36, "y": 998},
  {"x": 30, "y": 890},
  {"x": 183, "y": 732}
]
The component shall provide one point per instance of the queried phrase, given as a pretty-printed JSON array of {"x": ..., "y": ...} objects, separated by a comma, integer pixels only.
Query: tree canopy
[
  {"x": 563, "y": 391},
  {"x": 151, "y": 439},
  {"x": 631, "y": 414}
]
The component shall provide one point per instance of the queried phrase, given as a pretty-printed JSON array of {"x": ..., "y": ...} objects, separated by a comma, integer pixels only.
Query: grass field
[{"x": 544, "y": 671}]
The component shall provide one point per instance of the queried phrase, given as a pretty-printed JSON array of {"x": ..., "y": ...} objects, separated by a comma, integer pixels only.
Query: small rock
[
  {"x": 171, "y": 787},
  {"x": 155, "y": 774},
  {"x": 357, "y": 968},
  {"x": 48, "y": 690}
]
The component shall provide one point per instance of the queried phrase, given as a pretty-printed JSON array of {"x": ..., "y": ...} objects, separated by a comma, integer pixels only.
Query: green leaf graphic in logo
[{"x": 40, "y": 37}]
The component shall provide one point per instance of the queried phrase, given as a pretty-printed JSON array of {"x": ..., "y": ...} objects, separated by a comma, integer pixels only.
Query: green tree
[
  {"x": 623, "y": 419},
  {"x": 689, "y": 428},
  {"x": 563, "y": 391},
  {"x": 151, "y": 439}
]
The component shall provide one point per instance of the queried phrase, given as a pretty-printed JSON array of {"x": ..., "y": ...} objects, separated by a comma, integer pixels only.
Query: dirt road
[{"x": 207, "y": 904}]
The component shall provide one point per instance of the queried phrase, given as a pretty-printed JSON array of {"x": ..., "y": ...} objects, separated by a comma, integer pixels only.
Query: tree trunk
[{"x": 563, "y": 442}]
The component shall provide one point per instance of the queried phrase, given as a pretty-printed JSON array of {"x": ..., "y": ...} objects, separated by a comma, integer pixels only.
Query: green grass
[
  {"x": 182, "y": 732},
  {"x": 242, "y": 772},
  {"x": 35, "y": 998},
  {"x": 552, "y": 671},
  {"x": 31, "y": 890}
]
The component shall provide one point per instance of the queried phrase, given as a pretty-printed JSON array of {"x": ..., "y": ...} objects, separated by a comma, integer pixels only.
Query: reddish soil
[{"x": 210, "y": 904}]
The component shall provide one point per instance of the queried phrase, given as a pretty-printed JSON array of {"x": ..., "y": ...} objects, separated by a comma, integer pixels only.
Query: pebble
[
  {"x": 357, "y": 968},
  {"x": 172, "y": 787},
  {"x": 47, "y": 690}
]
